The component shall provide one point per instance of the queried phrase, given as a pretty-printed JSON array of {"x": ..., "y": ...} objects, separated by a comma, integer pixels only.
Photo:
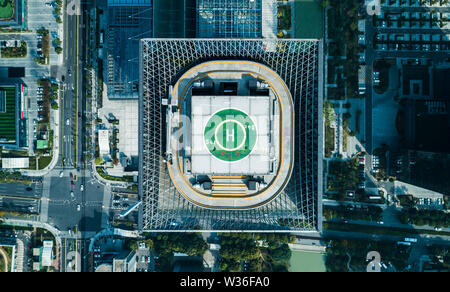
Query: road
[
  {"x": 68, "y": 93},
  {"x": 79, "y": 205}
]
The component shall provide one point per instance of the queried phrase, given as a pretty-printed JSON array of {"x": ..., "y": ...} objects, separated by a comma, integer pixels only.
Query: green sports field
[
  {"x": 305, "y": 261},
  {"x": 6, "y": 9},
  {"x": 308, "y": 19},
  {"x": 8, "y": 117}
]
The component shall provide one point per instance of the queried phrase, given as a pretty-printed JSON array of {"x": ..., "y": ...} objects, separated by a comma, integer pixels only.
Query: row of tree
[
  {"x": 255, "y": 252},
  {"x": 371, "y": 213},
  {"x": 435, "y": 218}
]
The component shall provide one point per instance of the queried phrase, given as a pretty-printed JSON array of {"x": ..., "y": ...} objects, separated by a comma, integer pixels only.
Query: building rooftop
[
  {"x": 173, "y": 197},
  {"x": 242, "y": 144},
  {"x": 241, "y": 115}
]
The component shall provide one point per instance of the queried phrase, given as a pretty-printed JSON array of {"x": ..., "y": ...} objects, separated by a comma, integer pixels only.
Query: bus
[{"x": 407, "y": 239}]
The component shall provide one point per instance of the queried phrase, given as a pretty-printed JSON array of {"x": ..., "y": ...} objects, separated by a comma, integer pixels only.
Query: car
[
  {"x": 81, "y": 188},
  {"x": 78, "y": 207},
  {"x": 362, "y": 161},
  {"x": 71, "y": 194},
  {"x": 61, "y": 174},
  {"x": 29, "y": 189},
  {"x": 72, "y": 184},
  {"x": 71, "y": 175},
  {"x": 68, "y": 122}
]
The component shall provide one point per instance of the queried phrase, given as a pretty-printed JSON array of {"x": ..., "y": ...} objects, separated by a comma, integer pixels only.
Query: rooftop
[
  {"x": 168, "y": 201},
  {"x": 242, "y": 144}
]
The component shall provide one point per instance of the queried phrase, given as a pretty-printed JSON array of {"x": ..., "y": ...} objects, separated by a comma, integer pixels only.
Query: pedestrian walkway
[
  {"x": 20, "y": 256},
  {"x": 269, "y": 17}
]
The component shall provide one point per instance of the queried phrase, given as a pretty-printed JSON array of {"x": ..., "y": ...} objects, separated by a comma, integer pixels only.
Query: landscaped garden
[
  {"x": 15, "y": 52},
  {"x": 343, "y": 50},
  {"x": 329, "y": 117}
]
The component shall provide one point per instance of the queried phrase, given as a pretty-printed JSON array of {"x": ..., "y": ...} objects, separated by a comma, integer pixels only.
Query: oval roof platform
[{"x": 230, "y": 123}]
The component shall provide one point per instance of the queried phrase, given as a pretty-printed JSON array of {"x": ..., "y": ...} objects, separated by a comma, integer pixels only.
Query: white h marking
[{"x": 230, "y": 135}]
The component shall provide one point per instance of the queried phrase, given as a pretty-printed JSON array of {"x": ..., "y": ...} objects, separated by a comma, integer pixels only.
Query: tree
[
  {"x": 281, "y": 254},
  {"x": 150, "y": 244},
  {"x": 132, "y": 245}
]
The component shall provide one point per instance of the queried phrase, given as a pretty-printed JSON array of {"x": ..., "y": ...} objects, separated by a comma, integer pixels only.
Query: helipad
[{"x": 230, "y": 135}]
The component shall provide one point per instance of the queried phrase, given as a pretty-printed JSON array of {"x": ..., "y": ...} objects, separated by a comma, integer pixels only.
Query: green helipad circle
[{"x": 230, "y": 135}]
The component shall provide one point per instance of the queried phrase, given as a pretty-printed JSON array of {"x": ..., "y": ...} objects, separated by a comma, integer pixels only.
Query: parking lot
[
  {"x": 42, "y": 16},
  {"x": 145, "y": 259}
]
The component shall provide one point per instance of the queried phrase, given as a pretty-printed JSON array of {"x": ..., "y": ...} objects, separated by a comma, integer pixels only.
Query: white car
[
  {"x": 68, "y": 122},
  {"x": 78, "y": 207},
  {"x": 81, "y": 188},
  {"x": 61, "y": 174}
]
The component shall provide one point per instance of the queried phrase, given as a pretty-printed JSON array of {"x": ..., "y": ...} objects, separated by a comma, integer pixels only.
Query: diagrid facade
[{"x": 260, "y": 166}]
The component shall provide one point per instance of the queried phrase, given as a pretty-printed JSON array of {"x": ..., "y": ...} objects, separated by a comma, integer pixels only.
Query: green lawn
[
  {"x": 308, "y": 19},
  {"x": 6, "y": 9},
  {"x": 8, "y": 118},
  {"x": 44, "y": 161}
]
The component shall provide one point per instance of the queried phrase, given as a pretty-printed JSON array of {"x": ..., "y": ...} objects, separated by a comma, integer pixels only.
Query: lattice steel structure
[
  {"x": 298, "y": 208},
  {"x": 229, "y": 19}
]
